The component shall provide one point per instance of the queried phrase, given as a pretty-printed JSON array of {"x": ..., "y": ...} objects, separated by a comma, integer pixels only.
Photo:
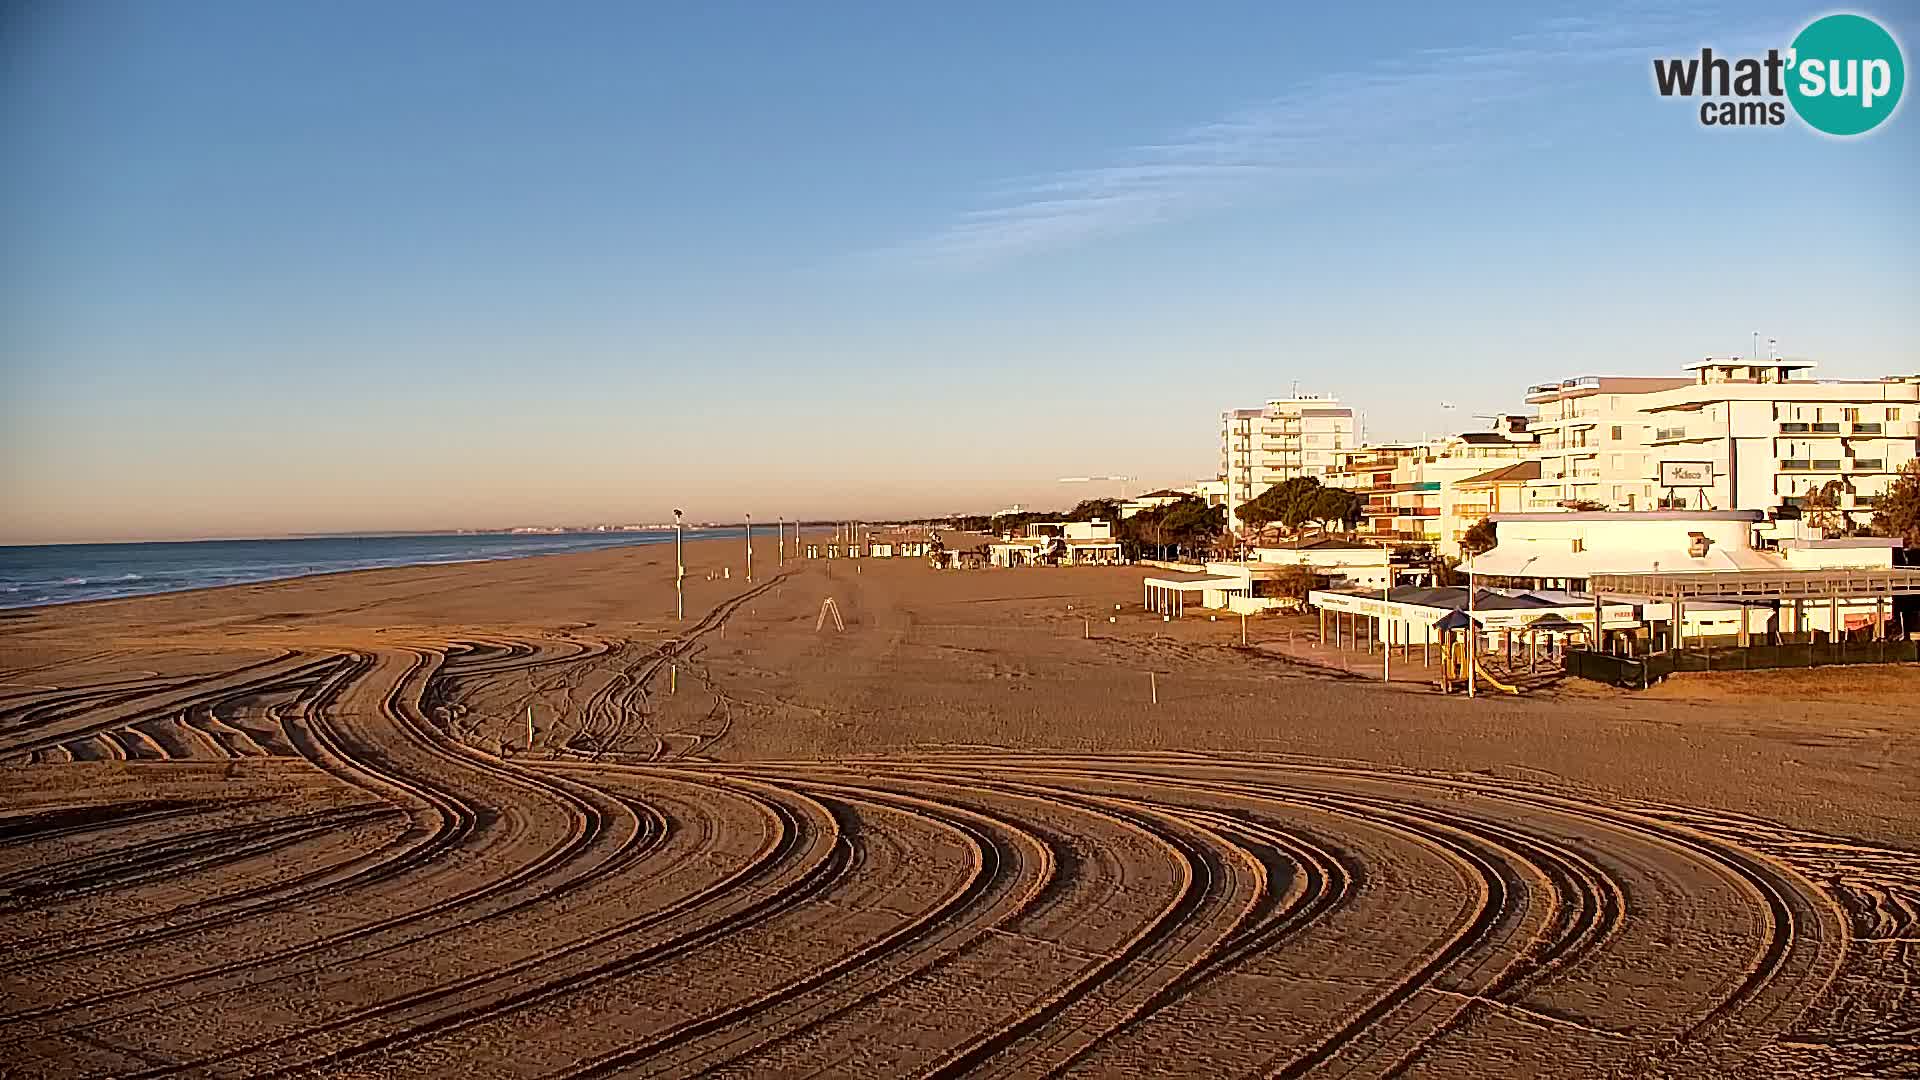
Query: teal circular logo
[{"x": 1846, "y": 74}]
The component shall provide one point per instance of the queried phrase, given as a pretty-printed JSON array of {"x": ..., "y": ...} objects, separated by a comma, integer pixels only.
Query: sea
[{"x": 31, "y": 576}]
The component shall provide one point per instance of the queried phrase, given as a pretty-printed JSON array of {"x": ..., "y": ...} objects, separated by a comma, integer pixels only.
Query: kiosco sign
[{"x": 1686, "y": 474}]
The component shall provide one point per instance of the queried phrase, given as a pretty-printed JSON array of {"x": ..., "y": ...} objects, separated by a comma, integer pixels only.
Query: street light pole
[
  {"x": 749, "y": 548},
  {"x": 1472, "y": 630},
  {"x": 680, "y": 573},
  {"x": 1386, "y": 601}
]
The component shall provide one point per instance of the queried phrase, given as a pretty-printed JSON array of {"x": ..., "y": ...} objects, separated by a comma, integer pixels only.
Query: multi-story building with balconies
[
  {"x": 1593, "y": 443},
  {"x": 1761, "y": 435},
  {"x": 1412, "y": 498},
  {"x": 1736, "y": 434},
  {"x": 1289, "y": 437}
]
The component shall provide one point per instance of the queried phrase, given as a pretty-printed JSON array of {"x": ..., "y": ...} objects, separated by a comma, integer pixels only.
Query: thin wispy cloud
[{"x": 1424, "y": 109}]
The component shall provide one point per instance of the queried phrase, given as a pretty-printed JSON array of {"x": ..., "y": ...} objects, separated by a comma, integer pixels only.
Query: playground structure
[
  {"x": 1459, "y": 651},
  {"x": 1453, "y": 667}
]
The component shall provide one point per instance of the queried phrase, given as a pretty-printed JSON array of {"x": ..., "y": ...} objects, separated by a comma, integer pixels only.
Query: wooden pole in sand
[
  {"x": 1086, "y": 628},
  {"x": 1153, "y": 686},
  {"x": 529, "y": 729},
  {"x": 1243, "y": 629}
]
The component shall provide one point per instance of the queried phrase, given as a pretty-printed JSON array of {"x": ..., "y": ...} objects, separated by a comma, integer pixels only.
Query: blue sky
[{"x": 277, "y": 268}]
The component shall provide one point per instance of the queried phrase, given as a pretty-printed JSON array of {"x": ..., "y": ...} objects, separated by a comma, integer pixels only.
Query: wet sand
[{"x": 301, "y": 827}]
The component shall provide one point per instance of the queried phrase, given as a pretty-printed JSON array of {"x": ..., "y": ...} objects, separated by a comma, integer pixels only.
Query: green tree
[
  {"x": 1332, "y": 505},
  {"x": 1898, "y": 512},
  {"x": 1191, "y": 524},
  {"x": 1095, "y": 509},
  {"x": 1294, "y": 582},
  {"x": 1480, "y": 536},
  {"x": 1821, "y": 508},
  {"x": 1290, "y": 503}
]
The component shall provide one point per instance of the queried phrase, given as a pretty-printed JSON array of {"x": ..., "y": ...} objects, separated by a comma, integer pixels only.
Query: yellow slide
[{"x": 1504, "y": 688}]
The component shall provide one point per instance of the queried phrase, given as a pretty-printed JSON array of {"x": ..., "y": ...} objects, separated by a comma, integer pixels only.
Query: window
[
  {"x": 1849, "y": 415},
  {"x": 1893, "y": 414},
  {"x": 1616, "y": 433}
]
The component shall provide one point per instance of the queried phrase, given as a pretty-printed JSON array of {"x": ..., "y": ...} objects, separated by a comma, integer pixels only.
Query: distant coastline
[{"x": 40, "y": 575}]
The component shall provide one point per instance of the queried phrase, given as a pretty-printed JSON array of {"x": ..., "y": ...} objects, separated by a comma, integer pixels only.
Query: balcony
[
  {"x": 1866, "y": 428},
  {"x": 1797, "y": 427},
  {"x": 1669, "y": 434},
  {"x": 1370, "y": 464},
  {"x": 1868, "y": 464}
]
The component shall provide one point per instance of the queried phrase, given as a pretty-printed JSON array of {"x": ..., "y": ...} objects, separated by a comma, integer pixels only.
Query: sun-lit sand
[{"x": 513, "y": 819}]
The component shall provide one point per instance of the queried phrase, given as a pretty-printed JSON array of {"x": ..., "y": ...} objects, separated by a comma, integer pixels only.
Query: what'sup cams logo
[{"x": 1842, "y": 75}]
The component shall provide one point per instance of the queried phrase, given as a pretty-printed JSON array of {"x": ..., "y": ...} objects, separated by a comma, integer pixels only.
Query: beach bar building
[
  {"x": 1173, "y": 595},
  {"x": 1414, "y": 615},
  {"x": 1704, "y": 576},
  {"x": 1080, "y": 543}
]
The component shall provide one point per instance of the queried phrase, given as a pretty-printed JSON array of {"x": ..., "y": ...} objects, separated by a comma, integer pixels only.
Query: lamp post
[
  {"x": 1386, "y": 604},
  {"x": 680, "y": 573},
  {"x": 1471, "y": 627},
  {"x": 749, "y": 548}
]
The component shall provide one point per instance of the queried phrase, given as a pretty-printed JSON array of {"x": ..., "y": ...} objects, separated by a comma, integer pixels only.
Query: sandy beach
[{"x": 515, "y": 819}]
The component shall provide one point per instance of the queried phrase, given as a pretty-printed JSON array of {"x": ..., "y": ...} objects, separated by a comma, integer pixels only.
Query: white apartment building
[
  {"x": 1761, "y": 434},
  {"x": 1593, "y": 442},
  {"x": 1213, "y": 492},
  {"x": 1289, "y": 437},
  {"x": 1733, "y": 435}
]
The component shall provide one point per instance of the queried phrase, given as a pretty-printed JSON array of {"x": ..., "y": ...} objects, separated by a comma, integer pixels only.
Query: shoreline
[{"x": 627, "y": 542}]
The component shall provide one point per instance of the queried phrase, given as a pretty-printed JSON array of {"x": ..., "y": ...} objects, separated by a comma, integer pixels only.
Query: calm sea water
[{"x": 65, "y": 573}]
